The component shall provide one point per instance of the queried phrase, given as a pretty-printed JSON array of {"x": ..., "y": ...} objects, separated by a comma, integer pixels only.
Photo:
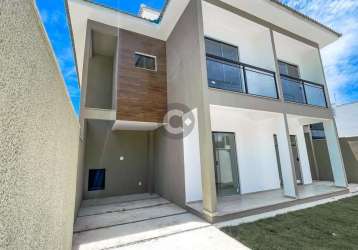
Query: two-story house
[{"x": 207, "y": 105}]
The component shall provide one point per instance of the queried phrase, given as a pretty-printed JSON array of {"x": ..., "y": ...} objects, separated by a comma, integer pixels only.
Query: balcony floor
[{"x": 237, "y": 206}]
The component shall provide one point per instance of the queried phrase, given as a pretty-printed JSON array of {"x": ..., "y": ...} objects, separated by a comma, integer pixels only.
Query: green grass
[{"x": 329, "y": 226}]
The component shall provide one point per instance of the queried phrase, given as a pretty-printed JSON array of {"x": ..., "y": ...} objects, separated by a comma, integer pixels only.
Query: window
[
  {"x": 223, "y": 73},
  {"x": 222, "y": 50},
  {"x": 298, "y": 90},
  {"x": 96, "y": 179},
  {"x": 317, "y": 131},
  {"x": 224, "y": 76},
  {"x": 289, "y": 69},
  {"x": 144, "y": 61}
]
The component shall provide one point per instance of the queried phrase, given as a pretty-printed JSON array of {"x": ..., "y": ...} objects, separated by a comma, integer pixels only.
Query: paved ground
[{"x": 144, "y": 221}]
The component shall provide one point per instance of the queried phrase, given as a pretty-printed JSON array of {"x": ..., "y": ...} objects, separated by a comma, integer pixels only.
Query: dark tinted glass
[
  {"x": 315, "y": 95},
  {"x": 224, "y": 76},
  {"x": 222, "y": 50},
  {"x": 261, "y": 83},
  {"x": 288, "y": 69},
  {"x": 96, "y": 179},
  {"x": 212, "y": 47},
  {"x": 293, "y": 90},
  {"x": 144, "y": 62},
  {"x": 317, "y": 131}
]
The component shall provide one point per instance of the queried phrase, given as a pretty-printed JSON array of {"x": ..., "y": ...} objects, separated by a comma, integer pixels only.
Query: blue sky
[
  {"x": 53, "y": 16},
  {"x": 340, "y": 59}
]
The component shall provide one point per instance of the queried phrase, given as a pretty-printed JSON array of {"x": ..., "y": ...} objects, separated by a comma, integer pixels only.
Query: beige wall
[
  {"x": 80, "y": 174},
  {"x": 187, "y": 84},
  {"x": 169, "y": 167},
  {"x": 104, "y": 149},
  {"x": 100, "y": 82},
  {"x": 323, "y": 161},
  {"x": 349, "y": 148},
  {"x": 38, "y": 137}
]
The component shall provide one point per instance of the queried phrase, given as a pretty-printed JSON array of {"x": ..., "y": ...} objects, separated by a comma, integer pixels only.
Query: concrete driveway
[{"x": 144, "y": 221}]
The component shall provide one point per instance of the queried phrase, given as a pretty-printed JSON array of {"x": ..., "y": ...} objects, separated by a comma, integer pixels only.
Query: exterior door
[
  {"x": 296, "y": 159},
  {"x": 226, "y": 167}
]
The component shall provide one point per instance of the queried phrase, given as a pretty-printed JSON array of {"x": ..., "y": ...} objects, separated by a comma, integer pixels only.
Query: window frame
[
  {"x": 146, "y": 55},
  {"x": 291, "y": 64},
  {"x": 225, "y": 43},
  {"x": 242, "y": 67}
]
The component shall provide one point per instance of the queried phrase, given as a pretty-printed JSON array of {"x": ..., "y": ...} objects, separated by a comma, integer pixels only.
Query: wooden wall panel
[{"x": 141, "y": 94}]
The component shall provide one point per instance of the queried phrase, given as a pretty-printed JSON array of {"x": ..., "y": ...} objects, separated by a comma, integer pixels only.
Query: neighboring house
[
  {"x": 346, "y": 116},
  {"x": 248, "y": 71}
]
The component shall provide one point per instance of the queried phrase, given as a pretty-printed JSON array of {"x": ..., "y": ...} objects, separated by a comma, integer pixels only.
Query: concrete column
[
  {"x": 335, "y": 154},
  {"x": 303, "y": 155},
  {"x": 286, "y": 159},
  {"x": 204, "y": 124},
  {"x": 187, "y": 84},
  {"x": 278, "y": 76}
]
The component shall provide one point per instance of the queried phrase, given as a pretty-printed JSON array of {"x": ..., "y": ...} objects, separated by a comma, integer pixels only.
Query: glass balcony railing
[
  {"x": 301, "y": 91},
  {"x": 240, "y": 77}
]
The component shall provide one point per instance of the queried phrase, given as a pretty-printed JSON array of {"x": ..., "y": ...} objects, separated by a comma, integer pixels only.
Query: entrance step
[
  {"x": 117, "y": 199},
  {"x": 97, "y": 221},
  {"x": 144, "y": 222},
  {"x": 137, "y": 232},
  {"x": 121, "y": 206}
]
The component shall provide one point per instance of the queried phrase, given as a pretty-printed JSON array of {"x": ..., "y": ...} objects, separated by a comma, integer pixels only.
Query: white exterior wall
[
  {"x": 303, "y": 55},
  {"x": 192, "y": 163},
  {"x": 255, "y": 147},
  {"x": 252, "y": 39},
  {"x": 346, "y": 117}
]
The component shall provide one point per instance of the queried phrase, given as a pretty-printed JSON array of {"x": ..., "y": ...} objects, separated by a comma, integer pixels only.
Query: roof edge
[
  {"x": 68, "y": 18},
  {"x": 306, "y": 17},
  {"x": 132, "y": 14}
]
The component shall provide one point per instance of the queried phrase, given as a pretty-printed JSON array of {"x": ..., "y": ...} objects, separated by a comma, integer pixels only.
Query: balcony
[
  {"x": 240, "y": 77},
  {"x": 303, "y": 92}
]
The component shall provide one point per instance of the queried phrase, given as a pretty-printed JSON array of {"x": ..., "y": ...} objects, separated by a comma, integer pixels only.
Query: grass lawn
[{"x": 329, "y": 226}]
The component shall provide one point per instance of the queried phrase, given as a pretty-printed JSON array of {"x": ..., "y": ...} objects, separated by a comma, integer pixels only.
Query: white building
[
  {"x": 346, "y": 116},
  {"x": 249, "y": 71}
]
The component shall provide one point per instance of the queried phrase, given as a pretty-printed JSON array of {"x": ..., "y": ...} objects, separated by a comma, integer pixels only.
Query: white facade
[
  {"x": 254, "y": 130},
  {"x": 346, "y": 117},
  {"x": 252, "y": 39},
  {"x": 306, "y": 57},
  {"x": 264, "y": 32}
]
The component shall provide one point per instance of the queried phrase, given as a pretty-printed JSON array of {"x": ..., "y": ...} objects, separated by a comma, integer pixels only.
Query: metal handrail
[
  {"x": 232, "y": 62},
  {"x": 301, "y": 80},
  {"x": 304, "y": 83},
  {"x": 246, "y": 67}
]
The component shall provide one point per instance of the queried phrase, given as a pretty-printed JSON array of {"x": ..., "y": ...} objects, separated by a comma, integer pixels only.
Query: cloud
[{"x": 339, "y": 61}]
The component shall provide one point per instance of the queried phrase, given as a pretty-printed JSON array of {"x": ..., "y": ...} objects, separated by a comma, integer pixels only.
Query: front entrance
[
  {"x": 226, "y": 167},
  {"x": 296, "y": 159}
]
